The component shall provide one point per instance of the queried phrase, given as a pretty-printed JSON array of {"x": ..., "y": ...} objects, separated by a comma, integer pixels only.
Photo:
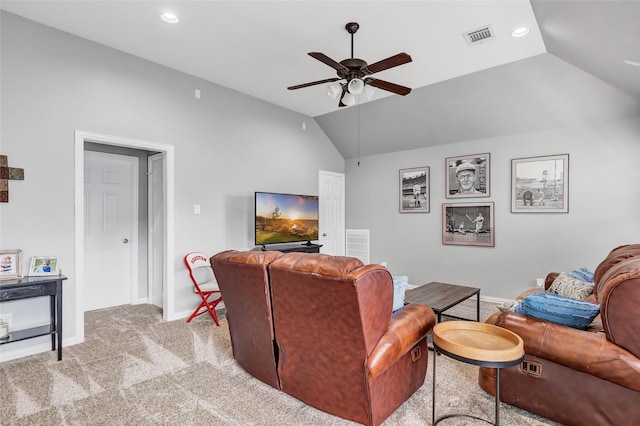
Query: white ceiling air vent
[{"x": 479, "y": 36}]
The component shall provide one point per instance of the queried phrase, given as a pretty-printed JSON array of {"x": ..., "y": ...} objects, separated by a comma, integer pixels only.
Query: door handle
[
  {"x": 324, "y": 234},
  {"x": 125, "y": 241}
]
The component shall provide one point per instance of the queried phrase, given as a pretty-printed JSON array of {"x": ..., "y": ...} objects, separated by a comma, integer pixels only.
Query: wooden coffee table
[
  {"x": 441, "y": 297},
  {"x": 476, "y": 343}
]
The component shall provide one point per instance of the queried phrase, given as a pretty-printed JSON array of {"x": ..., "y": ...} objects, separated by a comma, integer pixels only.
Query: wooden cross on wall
[{"x": 7, "y": 173}]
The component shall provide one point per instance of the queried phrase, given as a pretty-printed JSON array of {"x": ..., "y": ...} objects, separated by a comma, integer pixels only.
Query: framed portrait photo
[
  {"x": 540, "y": 184},
  {"x": 44, "y": 265},
  {"x": 468, "y": 176},
  {"x": 414, "y": 190},
  {"x": 468, "y": 224},
  {"x": 10, "y": 264}
]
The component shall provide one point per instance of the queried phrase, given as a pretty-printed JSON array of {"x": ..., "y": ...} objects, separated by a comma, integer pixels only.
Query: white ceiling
[
  {"x": 260, "y": 47},
  {"x": 569, "y": 70}
]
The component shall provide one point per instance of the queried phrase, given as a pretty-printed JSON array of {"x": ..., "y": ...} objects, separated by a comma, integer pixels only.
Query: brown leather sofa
[
  {"x": 335, "y": 343},
  {"x": 581, "y": 377}
]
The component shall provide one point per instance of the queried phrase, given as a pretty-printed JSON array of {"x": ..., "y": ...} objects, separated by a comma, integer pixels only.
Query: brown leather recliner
[
  {"x": 243, "y": 278},
  {"x": 580, "y": 377},
  {"x": 339, "y": 348}
]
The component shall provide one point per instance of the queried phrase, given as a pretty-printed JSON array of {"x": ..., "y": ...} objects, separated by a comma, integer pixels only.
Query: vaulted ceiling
[{"x": 569, "y": 69}]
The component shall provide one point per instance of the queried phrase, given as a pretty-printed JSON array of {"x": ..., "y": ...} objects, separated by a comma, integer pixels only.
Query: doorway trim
[{"x": 81, "y": 137}]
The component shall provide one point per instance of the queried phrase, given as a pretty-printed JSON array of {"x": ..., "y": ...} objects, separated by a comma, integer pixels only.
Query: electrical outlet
[
  {"x": 540, "y": 282},
  {"x": 384, "y": 264},
  {"x": 8, "y": 318}
]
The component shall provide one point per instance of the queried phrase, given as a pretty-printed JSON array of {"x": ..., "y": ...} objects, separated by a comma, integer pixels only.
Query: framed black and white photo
[
  {"x": 540, "y": 184},
  {"x": 468, "y": 176},
  {"x": 44, "y": 265},
  {"x": 10, "y": 264},
  {"x": 468, "y": 224},
  {"x": 414, "y": 190}
]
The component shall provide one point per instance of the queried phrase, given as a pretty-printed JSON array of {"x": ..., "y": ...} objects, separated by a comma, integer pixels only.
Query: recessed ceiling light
[
  {"x": 169, "y": 17},
  {"x": 632, "y": 63},
  {"x": 520, "y": 32}
]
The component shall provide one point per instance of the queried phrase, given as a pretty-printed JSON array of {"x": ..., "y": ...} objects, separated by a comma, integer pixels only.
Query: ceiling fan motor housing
[{"x": 357, "y": 68}]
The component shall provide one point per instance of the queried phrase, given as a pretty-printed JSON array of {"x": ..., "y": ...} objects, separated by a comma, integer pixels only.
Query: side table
[
  {"x": 29, "y": 287},
  {"x": 481, "y": 344}
]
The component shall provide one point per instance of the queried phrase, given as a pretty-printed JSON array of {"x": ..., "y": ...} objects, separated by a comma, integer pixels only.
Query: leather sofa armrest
[
  {"x": 407, "y": 327},
  {"x": 580, "y": 350}
]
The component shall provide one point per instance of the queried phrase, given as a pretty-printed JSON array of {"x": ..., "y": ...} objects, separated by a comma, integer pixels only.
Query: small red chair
[{"x": 204, "y": 284}]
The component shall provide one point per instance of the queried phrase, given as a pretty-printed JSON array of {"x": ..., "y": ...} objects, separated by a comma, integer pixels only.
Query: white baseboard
[
  {"x": 496, "y": 300},
  {"x": 8, "y": 354}
]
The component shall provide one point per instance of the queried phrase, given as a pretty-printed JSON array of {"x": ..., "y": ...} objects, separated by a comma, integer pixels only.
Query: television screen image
[{"x": 285, "y": 218}]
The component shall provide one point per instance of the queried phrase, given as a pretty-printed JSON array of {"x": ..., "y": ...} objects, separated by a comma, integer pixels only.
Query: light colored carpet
[{"x": 136, "y": 369}]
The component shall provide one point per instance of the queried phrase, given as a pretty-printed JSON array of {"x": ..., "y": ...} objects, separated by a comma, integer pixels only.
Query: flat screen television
[{"x": 285, "y": 218}]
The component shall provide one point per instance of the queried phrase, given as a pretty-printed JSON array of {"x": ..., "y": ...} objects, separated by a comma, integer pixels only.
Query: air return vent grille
[
  {"x": 479, "y": 36},
  {"x": 358, "y": 244}
]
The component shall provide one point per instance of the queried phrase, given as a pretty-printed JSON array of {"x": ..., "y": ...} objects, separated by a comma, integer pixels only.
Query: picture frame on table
[
  {"x": 414, "y": 190},
  {"x": 468, "y": 176},
  {"x": 44, "y": 266},
  {"x": 468, "y": 224},
  {"x": 540, "y": 184},
  {"x": 10, "y": 263}
]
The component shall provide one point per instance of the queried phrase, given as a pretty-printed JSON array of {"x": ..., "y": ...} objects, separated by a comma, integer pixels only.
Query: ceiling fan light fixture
[
  {"x": 356, "y": 86},
  {"x": 348, "y": 99},
  {"x": 369, "y": 91},
  {"x": 335, "y": 88}
]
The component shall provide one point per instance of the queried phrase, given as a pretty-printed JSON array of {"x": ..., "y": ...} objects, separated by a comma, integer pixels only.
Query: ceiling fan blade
[
  {"x": 328, "y": 61},
  {"x": 313, "y": 83},
  {"x": 389, "y": 87},
  {"x": 385, "y": 64}
]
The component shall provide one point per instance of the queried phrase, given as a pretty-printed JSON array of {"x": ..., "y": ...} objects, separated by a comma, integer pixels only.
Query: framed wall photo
[
  {"x": 468, "y": 176},
  {"x": 10, "y": 264},
  {"x": 540, "y": 184},
  {"x": 44, "y": 265},
  {"x": 414, "y": 190},
  {"x": 468, "y": 224}
]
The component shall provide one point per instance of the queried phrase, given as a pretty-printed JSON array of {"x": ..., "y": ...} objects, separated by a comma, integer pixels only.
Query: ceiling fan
[{"x": 353, "y": 74}]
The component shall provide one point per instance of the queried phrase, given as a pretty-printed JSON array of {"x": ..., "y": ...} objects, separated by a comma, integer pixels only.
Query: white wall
[
  {"x": 227, "y": 145},
  {"x": 604, "y": 208}
]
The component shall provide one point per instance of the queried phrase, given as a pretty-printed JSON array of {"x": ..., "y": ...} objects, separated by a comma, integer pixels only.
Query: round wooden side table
[{"x": 476, "y": 343}]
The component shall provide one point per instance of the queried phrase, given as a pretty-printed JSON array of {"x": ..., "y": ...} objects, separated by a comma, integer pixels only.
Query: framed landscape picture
[
  {"x": 540, "y": 184},
  {"x": 467, "y": 176},
  {"x": 414, "y": 190},
  {"x": 468, "y": 224}
]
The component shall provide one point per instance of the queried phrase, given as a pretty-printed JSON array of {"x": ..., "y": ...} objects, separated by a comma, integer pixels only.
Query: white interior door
[
  {"x": 332, "y": 213},
  {"x": 156, "y": 229},
  {"x": 110, "y": 228}
]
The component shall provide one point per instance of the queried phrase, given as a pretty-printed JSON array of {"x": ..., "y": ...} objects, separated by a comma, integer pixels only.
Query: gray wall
[
  {"x": 604, "y": 201},
  {"x": 227, "y": 145}
]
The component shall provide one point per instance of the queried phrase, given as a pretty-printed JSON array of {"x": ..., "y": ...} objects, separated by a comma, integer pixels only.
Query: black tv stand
[{"x": 307, "y": 247}]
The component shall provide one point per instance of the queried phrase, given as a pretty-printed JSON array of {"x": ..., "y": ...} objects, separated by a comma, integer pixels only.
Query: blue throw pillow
[
  {"x": 399, "y": 286},
  {"x": 559, "y": 309}
]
